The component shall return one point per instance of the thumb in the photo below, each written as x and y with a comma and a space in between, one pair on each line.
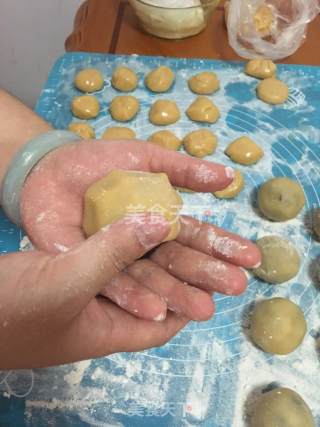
87, 268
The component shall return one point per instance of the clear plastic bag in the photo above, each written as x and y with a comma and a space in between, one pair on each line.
270, 28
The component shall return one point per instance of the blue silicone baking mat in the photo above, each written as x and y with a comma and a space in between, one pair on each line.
207, 374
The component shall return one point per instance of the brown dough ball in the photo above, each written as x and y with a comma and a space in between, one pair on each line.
280, 260
84, 130
200, 143
124, 108
278, 326
125, 194
160, 80
164, 112
280, 199
244, 151
272, 91
203, 110
85, 107
233, 189
124, 79
116, 132
261, 68
89, 80
204, 83
166, 139
281, 407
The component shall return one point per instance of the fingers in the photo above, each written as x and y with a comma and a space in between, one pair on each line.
81, 273
181, 298
186, 171
200, 269
136, 299
219, 243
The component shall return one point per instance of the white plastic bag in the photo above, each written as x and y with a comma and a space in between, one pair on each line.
270, 28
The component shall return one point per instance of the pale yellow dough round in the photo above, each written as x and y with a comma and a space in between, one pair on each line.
84, 130
124, 79
116, 132
200, 143
263, 19
85, 107
261, 68
127, 194
278, 326
273, 91
89, 80
164, 112
203, 110
233, 189
244, 151
166, 139
281, 407
204, 83
160, 79
124, 108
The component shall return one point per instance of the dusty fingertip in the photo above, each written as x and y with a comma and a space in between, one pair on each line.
160, 317
256, 265
230, 173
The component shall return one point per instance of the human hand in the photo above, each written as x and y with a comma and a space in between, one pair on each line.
52, 206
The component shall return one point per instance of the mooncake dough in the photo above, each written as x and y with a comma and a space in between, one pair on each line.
281, 199
166, 139
203, 110
244, 151
124, 79
263, 19
278, 326
233, 189
280, 260
124, 108
85, 107
204, 83
117, 132
84, 130
200, 143
89, 80
281, 407
160, 79
128, 193
273, 91
164, 112
316, 222
261, 68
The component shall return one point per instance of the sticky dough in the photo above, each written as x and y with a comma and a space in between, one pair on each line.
166, 139
200, 143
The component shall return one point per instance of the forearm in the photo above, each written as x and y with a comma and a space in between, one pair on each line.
18, 124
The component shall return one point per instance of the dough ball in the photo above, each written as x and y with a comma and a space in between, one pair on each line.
124, 79
84, 130
316, 222
281, 407
280, 260
244, 151
124, 108
116, 132
233, 189
166, 139
164, 112
281, 199
128, 193
89, 80
204, 83
203, 110
263, 19
200, 143
261, 68
278, 326
160, 79
273, 91
85, 107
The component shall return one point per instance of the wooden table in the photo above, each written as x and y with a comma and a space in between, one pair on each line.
110, 26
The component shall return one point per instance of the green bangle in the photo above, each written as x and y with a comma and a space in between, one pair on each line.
24, 161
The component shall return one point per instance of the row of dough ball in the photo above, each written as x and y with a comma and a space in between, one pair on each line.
162, 112
159, 80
